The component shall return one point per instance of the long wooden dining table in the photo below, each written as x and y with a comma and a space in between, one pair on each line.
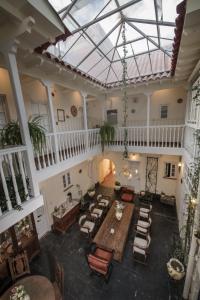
116, 240
37, 287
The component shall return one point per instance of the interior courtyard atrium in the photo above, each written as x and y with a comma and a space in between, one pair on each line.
99, 149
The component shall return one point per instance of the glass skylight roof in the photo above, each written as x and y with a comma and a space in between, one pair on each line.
96, 45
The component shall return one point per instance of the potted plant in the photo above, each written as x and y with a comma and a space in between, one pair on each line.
107, 133
175, 268
11, 135
91, 191
117, 186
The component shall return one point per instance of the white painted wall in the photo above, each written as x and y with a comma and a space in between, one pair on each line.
167, 186
34, 91
176, 112
53, 190
5, 88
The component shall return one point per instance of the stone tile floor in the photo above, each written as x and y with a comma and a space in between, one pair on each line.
129, 280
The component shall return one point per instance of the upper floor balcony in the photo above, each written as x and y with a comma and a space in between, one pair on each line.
65, 149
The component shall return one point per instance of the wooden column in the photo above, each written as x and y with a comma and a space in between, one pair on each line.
84, 99
11, 63
48, 86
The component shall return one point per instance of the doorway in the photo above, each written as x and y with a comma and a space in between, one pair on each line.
107, 173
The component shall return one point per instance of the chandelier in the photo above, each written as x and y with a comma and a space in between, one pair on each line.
125, 97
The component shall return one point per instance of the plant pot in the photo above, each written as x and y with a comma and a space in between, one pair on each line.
175, 269
117, 187
91, 193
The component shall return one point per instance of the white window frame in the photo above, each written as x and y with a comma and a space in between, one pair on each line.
161, 106
172, 171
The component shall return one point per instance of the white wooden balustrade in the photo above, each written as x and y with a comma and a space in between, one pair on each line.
75, 143
70, 144
152, 136
13, 178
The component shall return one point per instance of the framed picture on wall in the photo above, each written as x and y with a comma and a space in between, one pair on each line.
61, 115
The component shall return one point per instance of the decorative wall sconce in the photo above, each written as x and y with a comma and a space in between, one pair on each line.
193, 202
179, 165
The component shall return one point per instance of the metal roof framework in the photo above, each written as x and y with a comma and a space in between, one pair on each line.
95, 46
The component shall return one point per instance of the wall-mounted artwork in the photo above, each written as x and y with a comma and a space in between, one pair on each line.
74, 111
61, 115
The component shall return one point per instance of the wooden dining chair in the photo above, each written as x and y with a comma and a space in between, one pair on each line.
19, 265
58, 283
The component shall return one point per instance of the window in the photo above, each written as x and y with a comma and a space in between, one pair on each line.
40, 109
112, 116
170, 170
3, 112
164, 111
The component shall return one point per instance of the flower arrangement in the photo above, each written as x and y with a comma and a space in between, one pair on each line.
23, 227
19, 293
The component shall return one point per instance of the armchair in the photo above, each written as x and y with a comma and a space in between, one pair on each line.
100, 261
145, 224
95, 212
140, 248
127, 194
86, 225
103, 200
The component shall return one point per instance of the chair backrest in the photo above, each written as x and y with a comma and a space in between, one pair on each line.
81, 219
59, 277
18, 265
99, 197
91, 206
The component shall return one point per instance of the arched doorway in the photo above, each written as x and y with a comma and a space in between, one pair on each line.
107, 173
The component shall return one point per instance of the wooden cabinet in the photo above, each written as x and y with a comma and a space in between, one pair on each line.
21, 236
62, 222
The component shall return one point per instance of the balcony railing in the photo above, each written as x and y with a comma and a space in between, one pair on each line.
14, 182
69, 144
152, 136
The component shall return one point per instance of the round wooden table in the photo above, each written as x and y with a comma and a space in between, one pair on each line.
37, 287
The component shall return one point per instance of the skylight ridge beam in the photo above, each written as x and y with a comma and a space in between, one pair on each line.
101, 41
84, 31
135, 61
136, 55
151, 22
100, 60
114, 51
131, 41
149, 57
158, 28
106, 15
149, 39
102, 72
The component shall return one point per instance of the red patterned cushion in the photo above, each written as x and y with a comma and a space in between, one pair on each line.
127, 197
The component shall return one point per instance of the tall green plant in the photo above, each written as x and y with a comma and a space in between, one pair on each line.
107, 134
10, 134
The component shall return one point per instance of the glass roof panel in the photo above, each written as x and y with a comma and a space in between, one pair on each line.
58, 5
96, 44
142, 10
169, 9
140, 46
166, 32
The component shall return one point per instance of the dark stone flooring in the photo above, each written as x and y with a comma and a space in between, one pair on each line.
129, 280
